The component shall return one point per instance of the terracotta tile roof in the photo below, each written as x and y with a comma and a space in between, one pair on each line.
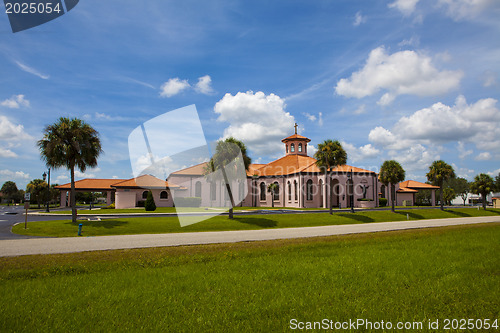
296, 137
406, 190
413, 184
340, 168
252, 168
286, 165
91, 184
195, 170
144, 181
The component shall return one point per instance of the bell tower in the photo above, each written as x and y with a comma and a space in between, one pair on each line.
296, 144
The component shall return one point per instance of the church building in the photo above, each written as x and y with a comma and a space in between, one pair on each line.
299, 182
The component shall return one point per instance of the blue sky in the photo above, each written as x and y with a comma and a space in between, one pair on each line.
411, 80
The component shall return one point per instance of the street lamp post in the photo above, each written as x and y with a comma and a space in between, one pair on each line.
48, 189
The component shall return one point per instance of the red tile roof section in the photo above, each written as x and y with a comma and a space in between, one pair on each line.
417, 185
144, 181
296, 137
91, 184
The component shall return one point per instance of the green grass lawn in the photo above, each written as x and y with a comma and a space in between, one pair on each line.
141, 210
168, 224
415, 275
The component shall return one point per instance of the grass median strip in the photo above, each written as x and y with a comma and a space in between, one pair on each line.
415, 275
166, 224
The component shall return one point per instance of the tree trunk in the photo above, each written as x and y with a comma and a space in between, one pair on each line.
330, 199
484, 200
272, 198
72, 195
229, 192
441, 196
393, 194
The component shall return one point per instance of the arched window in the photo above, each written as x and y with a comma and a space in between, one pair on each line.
213, 191
197, 189
300, 147
164, 195
262, 191
292, 147
295, 190
309, 189
276, 192
145, 195
289, 191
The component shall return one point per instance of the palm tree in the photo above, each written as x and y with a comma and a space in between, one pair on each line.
226, 152
330, 154
272, 188
391, 172
36, 188
70, 143
439, 172
483, 184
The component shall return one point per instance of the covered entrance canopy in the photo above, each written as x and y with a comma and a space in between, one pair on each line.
89, 185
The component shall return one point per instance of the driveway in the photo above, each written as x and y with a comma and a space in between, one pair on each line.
16, 247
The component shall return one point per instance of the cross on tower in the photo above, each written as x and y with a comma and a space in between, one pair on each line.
295, 128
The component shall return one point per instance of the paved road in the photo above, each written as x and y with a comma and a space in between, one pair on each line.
76, 244
10, 215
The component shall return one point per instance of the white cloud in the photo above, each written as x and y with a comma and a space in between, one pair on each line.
404, 72
309, 116
204, 85
484, 156
407, 7
11, 132
14, 174
477, 123
15, 102
87, 174
7, 153
413, 41
173, 87
462, 152
311, 149
31, 70
465, 9
489, 78
415, 140
359, 19
320, 119
356, 154
257, 119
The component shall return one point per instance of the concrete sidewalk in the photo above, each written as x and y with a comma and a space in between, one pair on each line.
19, 247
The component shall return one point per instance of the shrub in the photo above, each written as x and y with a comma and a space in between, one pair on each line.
364, 199
112, 206
188, 202
382, 202
150, 203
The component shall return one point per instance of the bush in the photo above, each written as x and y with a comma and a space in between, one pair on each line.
112, 206
382, 202
150, 203
364, 199
188, 202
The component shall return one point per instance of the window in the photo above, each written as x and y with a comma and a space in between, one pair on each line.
262, 191
309, 189
295, 190
197, 189
300, 147
213, 191
276, 192
145, 195
287, 149
292, 147
164, 195
289, 191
